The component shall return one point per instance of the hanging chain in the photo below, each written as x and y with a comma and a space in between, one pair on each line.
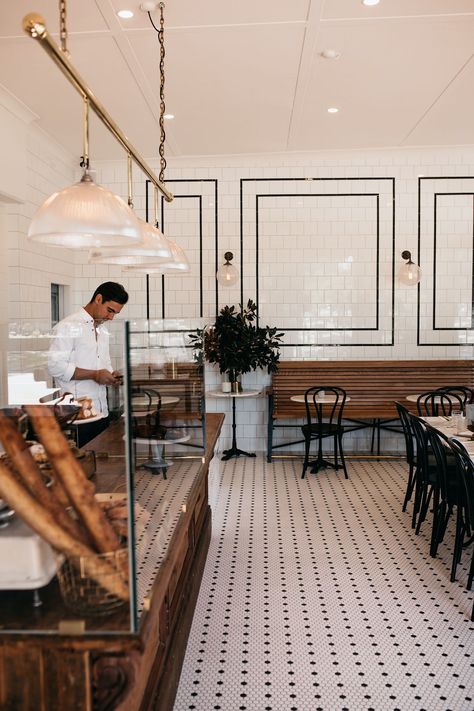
62, 26
161, 40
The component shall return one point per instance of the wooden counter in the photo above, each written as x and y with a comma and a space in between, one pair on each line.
119, 670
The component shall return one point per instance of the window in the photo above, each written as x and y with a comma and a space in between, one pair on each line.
57, 303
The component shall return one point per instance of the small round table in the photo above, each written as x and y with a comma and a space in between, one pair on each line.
140, 408
234, 451
323, 400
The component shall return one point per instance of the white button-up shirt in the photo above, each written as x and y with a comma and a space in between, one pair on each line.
77, 343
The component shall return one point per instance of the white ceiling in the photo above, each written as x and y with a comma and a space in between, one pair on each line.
248, 76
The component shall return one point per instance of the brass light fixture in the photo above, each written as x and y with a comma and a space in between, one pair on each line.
227, 274
85, 215
409, 273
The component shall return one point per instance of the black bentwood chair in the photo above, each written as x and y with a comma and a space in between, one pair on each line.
439, 402
465, 522
324, 412
447, 492
462, 391
409, 436
426, 474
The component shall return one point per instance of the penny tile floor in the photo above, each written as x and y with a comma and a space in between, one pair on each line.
317, 595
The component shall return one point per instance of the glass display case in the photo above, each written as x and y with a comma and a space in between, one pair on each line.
86, 522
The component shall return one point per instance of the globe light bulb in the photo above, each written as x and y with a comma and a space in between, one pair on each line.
227, 274
409, 273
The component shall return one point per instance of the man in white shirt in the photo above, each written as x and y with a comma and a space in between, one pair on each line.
79, 357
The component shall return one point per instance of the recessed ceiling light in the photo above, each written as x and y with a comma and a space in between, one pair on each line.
369, 3
168, 117
125, 14
333, 110
330, 54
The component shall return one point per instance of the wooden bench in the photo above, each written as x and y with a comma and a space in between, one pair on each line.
373, 387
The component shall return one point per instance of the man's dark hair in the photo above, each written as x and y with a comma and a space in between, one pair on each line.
111, 291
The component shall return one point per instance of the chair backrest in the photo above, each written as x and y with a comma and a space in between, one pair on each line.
325, 402
441, 448
437, 402
408, 433
465, 467
150, 400
147, 397
418, 427
462, 391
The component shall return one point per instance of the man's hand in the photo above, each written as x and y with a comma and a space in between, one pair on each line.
105, 377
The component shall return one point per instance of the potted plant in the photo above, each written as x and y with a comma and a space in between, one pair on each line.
237, 345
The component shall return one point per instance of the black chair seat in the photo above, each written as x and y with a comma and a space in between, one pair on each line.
322, 430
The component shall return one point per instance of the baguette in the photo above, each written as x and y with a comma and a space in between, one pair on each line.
30, 474
35, 516
73, 479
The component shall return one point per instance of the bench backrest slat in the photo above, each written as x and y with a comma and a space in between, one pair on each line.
372, 386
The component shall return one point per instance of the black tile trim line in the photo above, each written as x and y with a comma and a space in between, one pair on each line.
243, 181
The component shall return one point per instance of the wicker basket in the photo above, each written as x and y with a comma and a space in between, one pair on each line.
83, 593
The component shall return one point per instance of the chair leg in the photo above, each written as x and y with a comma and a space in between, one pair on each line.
341, 452
425, 504
418, 497
440, 521
410, 486
307, 443
458, 541
471, 573
336, 465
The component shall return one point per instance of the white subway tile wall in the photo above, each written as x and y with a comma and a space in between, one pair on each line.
309, 255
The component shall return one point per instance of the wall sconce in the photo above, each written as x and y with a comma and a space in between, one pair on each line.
409, 273
227, 274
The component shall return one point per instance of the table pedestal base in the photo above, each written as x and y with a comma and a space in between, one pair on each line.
158, 463
318, 464
235, 452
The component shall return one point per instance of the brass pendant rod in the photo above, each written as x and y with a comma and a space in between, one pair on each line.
85, 157
155, 205
129, 175
35, 27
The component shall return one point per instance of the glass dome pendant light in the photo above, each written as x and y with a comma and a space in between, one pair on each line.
409, 273
84, 215
227, 274
153, 244
178, 262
